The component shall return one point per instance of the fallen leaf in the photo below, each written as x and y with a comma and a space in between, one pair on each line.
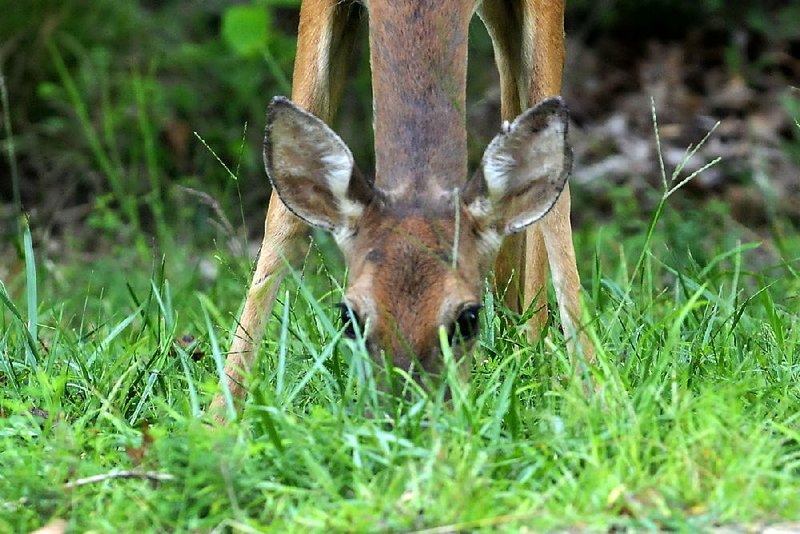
136, 454
188, 343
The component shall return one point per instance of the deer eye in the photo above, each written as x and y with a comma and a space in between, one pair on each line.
467, 323
350, 320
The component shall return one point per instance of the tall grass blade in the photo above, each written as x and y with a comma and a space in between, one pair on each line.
146, 393
7, 363
166, 312
194, 402
280, 373
218, 360
31, 293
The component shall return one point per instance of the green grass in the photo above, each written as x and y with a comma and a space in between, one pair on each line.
694, 422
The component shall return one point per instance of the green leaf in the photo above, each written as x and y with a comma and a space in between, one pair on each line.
244, 29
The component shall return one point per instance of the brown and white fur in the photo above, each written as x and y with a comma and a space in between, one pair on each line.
421, 238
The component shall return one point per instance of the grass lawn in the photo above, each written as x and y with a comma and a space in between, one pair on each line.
112, 336
695, 421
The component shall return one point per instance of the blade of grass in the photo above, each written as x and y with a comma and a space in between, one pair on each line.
166, 313
458, 389
280, 373
9, 304
218, 360
121, 326
31, 293
193, 399
9, 365
146, 393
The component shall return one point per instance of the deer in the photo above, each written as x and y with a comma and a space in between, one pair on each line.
420, 239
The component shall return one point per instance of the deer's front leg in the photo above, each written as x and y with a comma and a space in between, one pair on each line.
325, 40
521, 267
543, 62
282, 233
528, 40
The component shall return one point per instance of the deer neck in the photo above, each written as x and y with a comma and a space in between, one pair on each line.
418, 51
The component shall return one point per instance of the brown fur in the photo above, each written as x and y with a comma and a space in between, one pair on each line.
418, 51
418, 55
405, 283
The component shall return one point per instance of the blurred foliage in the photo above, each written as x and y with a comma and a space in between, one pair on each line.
184, 68
244, 29
632, 19
106, 97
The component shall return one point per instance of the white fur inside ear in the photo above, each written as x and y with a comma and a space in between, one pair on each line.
497, 165
338, 170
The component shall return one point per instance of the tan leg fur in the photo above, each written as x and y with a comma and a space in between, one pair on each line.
326, 37
529, 50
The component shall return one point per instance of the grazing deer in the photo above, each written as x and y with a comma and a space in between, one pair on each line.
419, 240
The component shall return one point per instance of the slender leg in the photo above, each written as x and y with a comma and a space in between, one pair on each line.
521, 265
528, 39
543, 61
557, 231
505, 32
282, 236
325, 39
535, 279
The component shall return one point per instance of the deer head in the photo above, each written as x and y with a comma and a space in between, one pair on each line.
417, 263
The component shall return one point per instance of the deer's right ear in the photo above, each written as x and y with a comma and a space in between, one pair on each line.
524, 170
312, 170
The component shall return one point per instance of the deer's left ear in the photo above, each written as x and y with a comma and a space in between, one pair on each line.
524, 170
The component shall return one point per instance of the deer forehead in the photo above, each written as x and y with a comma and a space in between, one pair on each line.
413, 270
414, 245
